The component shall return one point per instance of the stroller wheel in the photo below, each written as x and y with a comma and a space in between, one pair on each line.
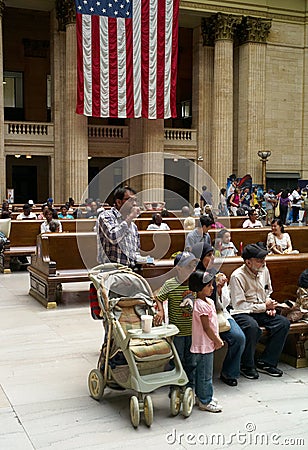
148, 410
134, 411
96, 384
175, 401
188, 402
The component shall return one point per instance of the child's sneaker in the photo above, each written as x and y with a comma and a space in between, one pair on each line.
214, 400
211, 407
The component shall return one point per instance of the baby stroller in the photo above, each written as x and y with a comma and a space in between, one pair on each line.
130, 358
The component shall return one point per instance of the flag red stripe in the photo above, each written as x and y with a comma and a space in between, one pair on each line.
129, 70
95, 66
80, 78
145, 31
160, 81
174, 61
113, 68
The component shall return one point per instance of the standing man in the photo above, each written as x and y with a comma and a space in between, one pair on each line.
250, 290
118, 237
270, 203
206, 197
296, 200
200, 233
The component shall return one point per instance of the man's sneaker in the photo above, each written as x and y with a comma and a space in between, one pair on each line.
211, 407
270, 370
249, 372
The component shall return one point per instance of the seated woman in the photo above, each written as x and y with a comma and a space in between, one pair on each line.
48, 219
157, 223
278, 241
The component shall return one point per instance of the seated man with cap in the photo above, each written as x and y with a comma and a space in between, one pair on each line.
250, 290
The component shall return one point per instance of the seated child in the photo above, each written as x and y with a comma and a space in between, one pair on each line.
227, 246
180, 304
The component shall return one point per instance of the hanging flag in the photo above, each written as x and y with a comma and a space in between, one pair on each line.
127, 58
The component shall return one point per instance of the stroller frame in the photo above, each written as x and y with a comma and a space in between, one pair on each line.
145, 383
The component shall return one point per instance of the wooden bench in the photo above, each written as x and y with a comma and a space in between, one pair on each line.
176, 223
67, 257
22, 240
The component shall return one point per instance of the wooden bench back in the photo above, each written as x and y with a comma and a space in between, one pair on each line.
70, 251
24, 232
176, 223
162, 244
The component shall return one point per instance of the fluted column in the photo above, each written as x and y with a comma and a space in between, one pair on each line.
2, 153
153, 160
222, 151
202, 93
76, 126
253, 33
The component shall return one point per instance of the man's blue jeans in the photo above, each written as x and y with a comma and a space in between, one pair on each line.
235, 339
182, 345
204, 375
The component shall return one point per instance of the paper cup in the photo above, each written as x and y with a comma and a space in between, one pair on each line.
146, 323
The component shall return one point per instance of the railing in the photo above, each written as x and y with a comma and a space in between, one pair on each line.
180, 136
107, 132
34, 131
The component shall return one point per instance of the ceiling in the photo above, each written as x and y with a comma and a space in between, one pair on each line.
39, 5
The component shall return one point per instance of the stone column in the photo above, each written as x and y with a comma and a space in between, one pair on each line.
2, 152
202, 96
58, 38
153, 160
222, 151
76, 126
253, 33
304, 151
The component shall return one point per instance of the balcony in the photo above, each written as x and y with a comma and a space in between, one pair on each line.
36, 134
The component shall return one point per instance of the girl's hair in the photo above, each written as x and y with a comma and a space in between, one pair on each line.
199, 279
197, 205
279, 223
222, 233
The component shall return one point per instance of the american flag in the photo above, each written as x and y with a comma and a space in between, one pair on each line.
127, 58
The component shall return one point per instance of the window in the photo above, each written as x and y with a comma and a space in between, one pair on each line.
13, 96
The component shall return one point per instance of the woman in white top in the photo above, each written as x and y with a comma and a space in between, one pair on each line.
278, 241
157, 223
48, 218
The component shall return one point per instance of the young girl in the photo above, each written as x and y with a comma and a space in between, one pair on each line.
205, 339
227, 246
197, 210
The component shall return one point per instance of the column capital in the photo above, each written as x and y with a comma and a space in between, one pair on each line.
254, 29
224, 26
2, 6
207, 32
66, 13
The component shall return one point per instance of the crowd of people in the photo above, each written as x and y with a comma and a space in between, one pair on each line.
208, 312
198, 297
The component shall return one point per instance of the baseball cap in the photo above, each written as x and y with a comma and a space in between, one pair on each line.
254, 251
30, 202
184, 258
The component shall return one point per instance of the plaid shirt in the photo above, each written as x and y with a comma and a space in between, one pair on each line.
117, 241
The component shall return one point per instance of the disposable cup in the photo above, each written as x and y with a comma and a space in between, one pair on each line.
146, 323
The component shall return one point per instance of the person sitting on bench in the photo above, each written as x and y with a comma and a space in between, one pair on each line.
250, 290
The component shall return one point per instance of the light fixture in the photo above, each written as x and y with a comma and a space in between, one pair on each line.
89, 157
28, 156
17, 156
264, 155
175, 159
200, 158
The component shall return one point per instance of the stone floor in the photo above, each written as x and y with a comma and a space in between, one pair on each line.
45, 358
